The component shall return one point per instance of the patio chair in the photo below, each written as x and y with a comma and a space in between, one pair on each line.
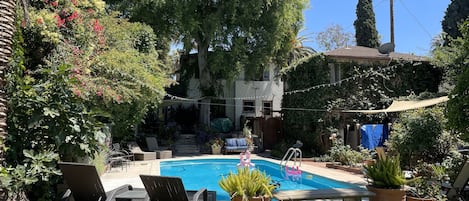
84, 183
162, 188
139, 154
117, 150
460, 187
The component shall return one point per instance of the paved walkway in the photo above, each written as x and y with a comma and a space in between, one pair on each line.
119, 176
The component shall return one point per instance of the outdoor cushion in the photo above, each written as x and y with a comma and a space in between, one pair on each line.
231, 142
241, 142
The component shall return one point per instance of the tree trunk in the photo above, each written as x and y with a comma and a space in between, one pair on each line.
7, 28
204, 79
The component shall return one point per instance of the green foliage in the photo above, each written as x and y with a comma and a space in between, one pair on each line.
371, 88
454, 58
427, 184
37, 170
385, 172
456, 13
241, 35
365, 25
71, 77
247, 184
420, 135
346, 155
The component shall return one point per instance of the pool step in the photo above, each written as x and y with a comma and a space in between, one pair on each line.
186, 144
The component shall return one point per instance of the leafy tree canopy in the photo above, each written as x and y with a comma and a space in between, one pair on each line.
334, 37
456, 13
241, 34
455, 58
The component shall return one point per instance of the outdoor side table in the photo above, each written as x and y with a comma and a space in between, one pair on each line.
163, 154
133, 195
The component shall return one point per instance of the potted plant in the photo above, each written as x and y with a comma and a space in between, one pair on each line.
248, 185
385, 178
427, 183
216, 145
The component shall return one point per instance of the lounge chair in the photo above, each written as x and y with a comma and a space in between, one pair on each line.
152, 143
84, 183
139, 154
162, 188
460, 187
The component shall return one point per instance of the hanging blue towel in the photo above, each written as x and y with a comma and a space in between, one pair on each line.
373, 135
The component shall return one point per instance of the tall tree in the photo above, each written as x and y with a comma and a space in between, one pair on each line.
334, 37
456, 13
453, 58
229, 36
365, 25
7, 28
240, 35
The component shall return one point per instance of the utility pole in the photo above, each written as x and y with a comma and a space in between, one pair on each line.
391, 9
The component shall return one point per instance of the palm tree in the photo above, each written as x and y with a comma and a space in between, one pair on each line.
7, 28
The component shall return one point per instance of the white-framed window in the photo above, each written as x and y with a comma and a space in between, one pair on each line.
249, 106
267, 108
335, 72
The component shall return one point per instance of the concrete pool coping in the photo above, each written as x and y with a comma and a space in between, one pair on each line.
130, 173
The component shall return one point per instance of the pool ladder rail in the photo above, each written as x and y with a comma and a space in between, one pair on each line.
292, 153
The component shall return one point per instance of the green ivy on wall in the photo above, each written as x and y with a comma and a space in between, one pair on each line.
310, 114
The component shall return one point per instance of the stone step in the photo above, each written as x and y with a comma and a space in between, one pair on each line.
187, 148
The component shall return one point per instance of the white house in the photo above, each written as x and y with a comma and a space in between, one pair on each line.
240, 98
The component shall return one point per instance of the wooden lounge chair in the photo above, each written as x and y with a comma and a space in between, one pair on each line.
460, 187
84, 183
162, 188
139, 154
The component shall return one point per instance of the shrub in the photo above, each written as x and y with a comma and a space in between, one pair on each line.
420, 135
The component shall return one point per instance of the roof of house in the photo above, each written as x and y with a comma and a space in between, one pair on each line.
360, 52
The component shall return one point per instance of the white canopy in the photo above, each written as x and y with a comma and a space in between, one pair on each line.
398, 106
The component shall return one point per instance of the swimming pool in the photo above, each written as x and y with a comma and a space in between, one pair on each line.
205, 173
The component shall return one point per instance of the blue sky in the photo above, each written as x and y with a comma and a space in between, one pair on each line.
416, 22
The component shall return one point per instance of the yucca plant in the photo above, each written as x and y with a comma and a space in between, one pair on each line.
385, 172
247, 184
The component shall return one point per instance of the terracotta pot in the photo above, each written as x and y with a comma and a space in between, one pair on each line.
239, 198
410, 198
383, 194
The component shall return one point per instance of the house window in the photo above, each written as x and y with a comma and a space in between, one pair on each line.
217, 109
266, 76
335, 72
249, 106
267, 108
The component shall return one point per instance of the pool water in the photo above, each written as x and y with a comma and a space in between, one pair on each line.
205, 173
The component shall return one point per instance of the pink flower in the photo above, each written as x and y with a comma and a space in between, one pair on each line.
97, 27
54, 3
77, 92
73, 16
99, 93
40, 21
74, 2
60, 21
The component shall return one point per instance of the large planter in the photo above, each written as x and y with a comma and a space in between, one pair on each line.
383, 194
239, 198
410, 198
216, 150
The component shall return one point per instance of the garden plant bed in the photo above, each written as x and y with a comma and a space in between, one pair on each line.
355, 170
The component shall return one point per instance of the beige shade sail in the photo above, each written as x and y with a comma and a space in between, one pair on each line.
398, 106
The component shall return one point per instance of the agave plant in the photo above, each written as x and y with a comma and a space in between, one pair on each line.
247, 184
385, 172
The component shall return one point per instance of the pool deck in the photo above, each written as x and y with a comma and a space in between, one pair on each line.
119, 176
